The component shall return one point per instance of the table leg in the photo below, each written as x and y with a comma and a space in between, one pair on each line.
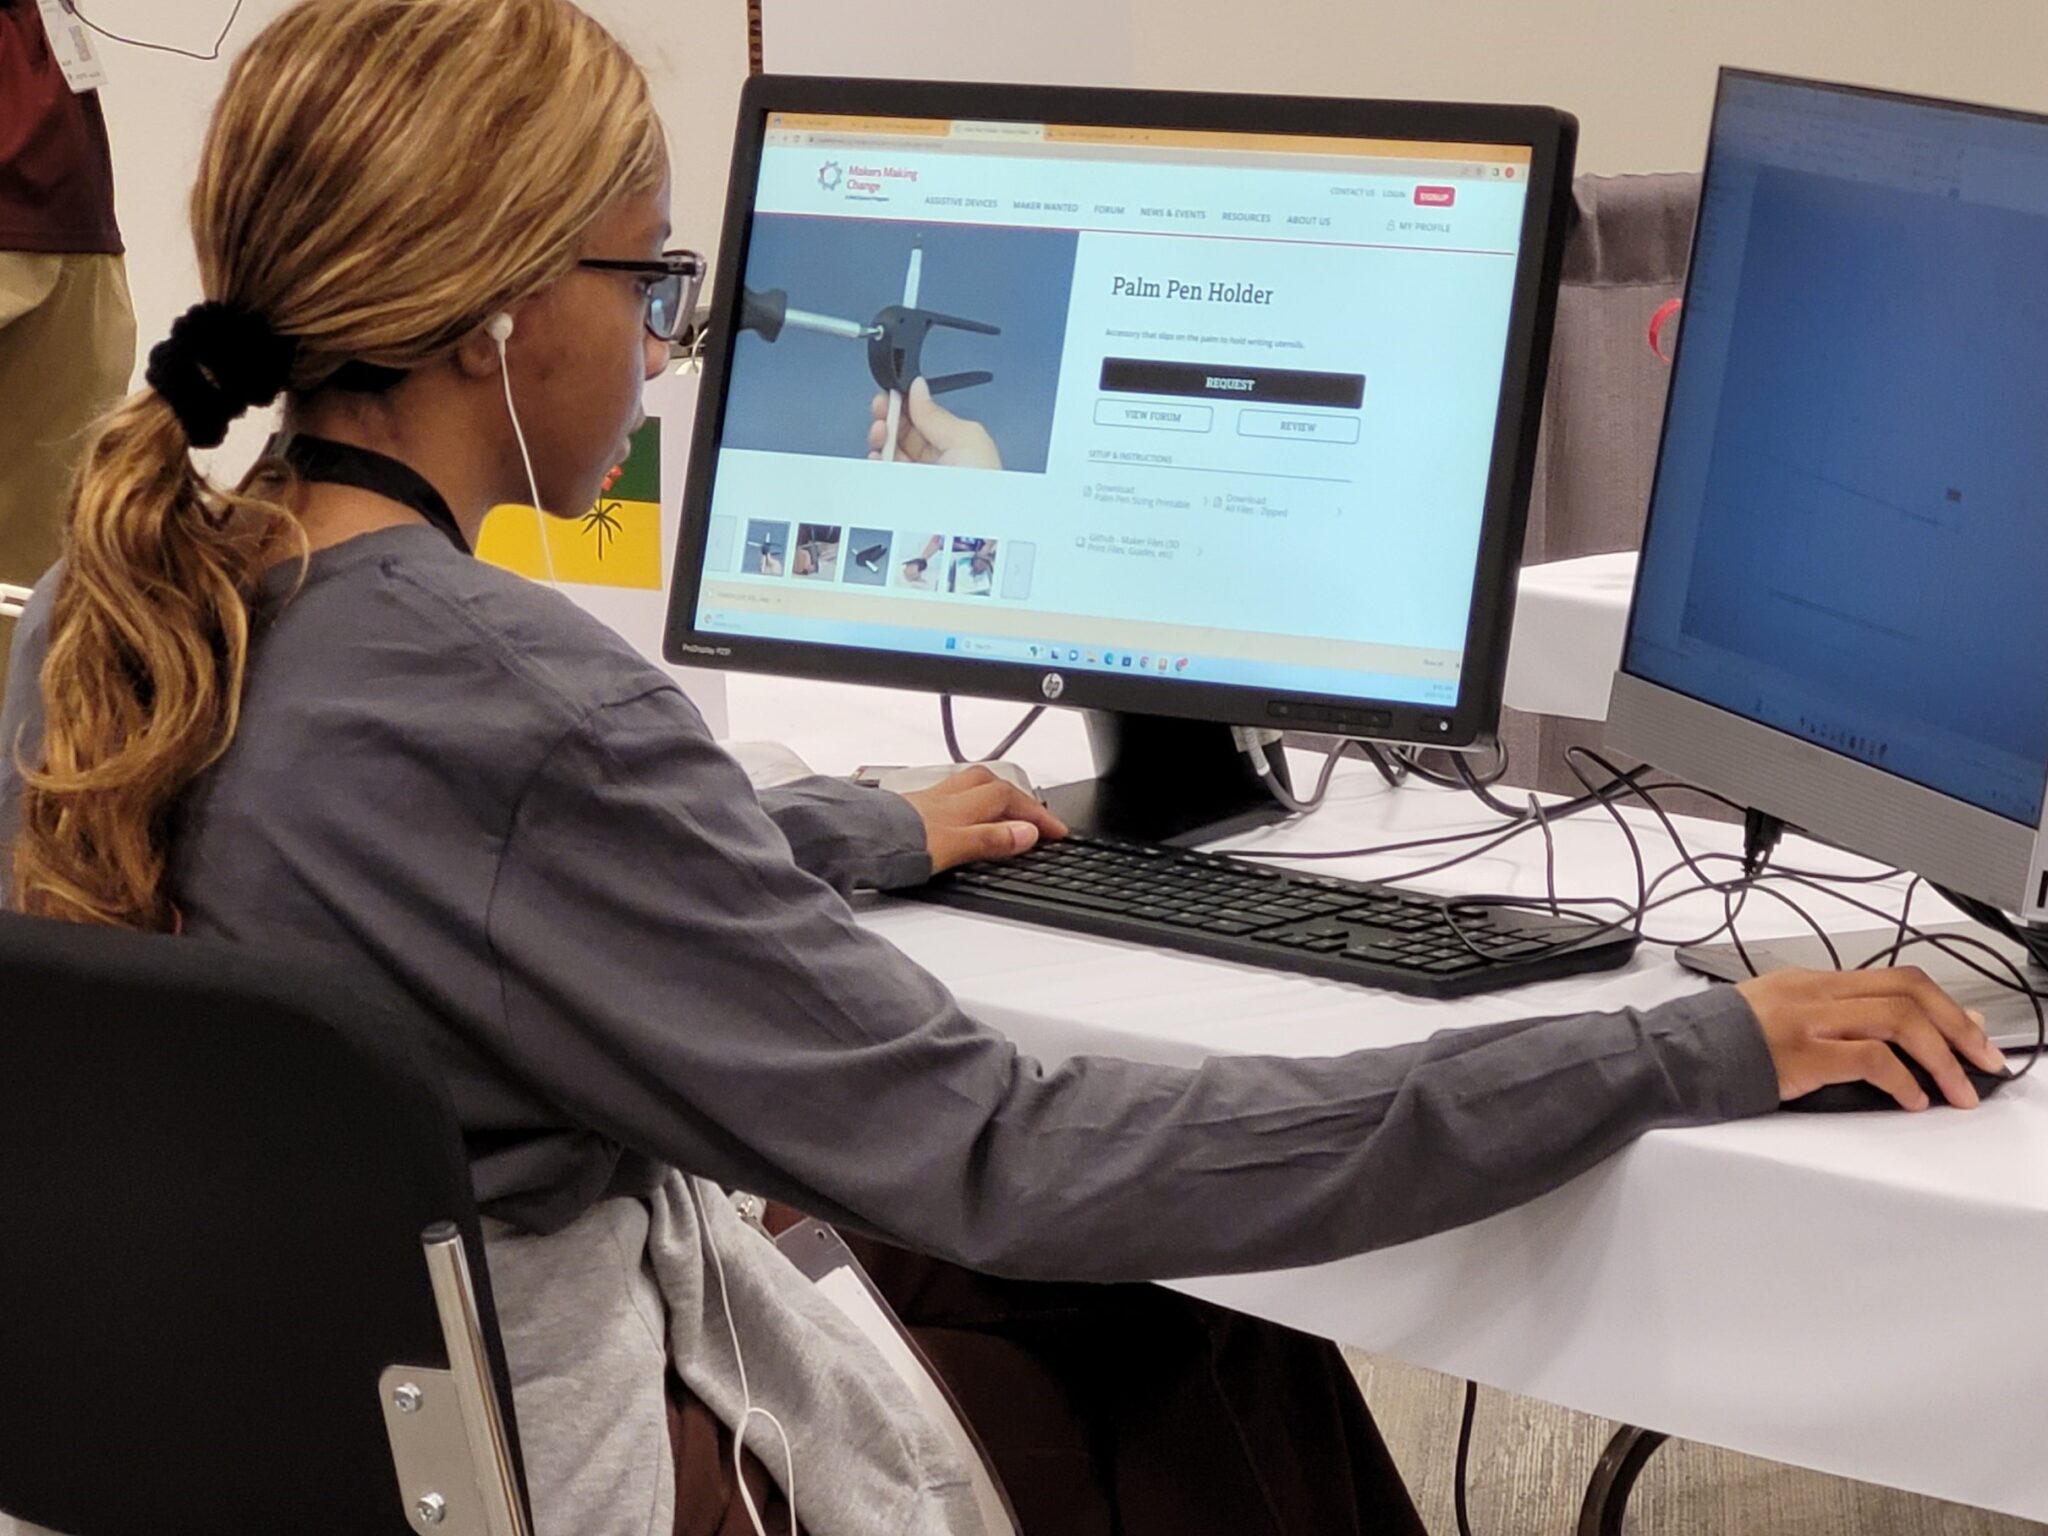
1614, 1479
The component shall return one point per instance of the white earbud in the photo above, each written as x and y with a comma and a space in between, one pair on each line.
499, 329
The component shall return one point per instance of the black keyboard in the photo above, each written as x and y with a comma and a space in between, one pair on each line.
1209, 904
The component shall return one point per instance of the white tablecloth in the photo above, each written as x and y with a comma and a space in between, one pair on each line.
1854, 1294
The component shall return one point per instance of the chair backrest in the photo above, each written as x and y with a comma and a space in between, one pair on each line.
1603, 408
216, 1168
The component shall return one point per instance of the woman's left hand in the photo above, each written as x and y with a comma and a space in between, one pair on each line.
976, 815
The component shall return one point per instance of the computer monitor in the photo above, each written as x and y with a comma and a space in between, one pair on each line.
1206, 410
1838, 616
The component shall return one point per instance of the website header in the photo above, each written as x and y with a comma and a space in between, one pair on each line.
1360, 203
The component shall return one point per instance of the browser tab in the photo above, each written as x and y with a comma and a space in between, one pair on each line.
1024, 133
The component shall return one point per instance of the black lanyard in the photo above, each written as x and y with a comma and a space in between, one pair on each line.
325, 461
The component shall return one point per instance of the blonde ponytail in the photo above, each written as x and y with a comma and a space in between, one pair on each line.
149, 641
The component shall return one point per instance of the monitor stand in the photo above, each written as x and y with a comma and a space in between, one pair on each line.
2008, 1016
1162, 780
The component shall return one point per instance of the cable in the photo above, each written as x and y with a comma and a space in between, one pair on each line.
1257, 745
1465, 1458
1735, 892
748, 1410
1635, 849
1390, 766
136, 42
499, 329
2035, 944
1461, 768
953, 739
1550, 856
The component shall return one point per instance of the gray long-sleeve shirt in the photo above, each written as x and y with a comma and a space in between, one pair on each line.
636, 962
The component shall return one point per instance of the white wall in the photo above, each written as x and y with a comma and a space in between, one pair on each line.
1638, 73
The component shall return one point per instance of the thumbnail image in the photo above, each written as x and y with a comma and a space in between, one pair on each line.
867, 557
973, 568
767, 551
990, 314
816, 556
919, 561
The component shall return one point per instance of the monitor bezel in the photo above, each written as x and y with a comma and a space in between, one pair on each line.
1551, 137
1830, 794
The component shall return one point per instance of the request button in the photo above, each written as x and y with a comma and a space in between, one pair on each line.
1158, 416
1302, 428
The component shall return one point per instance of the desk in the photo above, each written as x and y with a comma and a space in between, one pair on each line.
1853, 1294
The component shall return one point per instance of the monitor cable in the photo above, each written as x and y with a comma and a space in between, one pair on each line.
1412, 760
1464, 1463
1001, 748
1972, 953
1259, 747
1736, 891
136, 42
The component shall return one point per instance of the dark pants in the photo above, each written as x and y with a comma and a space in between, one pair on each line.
1109, 1410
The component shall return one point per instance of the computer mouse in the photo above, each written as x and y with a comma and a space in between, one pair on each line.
1838, 1097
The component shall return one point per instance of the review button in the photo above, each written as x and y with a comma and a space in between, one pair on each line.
1301, 428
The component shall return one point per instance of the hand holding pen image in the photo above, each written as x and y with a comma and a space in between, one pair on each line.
928, 433
907, 422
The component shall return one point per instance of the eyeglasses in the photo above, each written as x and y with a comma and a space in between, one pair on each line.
673, 280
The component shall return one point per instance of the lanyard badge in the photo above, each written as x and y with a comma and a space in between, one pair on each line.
72, 46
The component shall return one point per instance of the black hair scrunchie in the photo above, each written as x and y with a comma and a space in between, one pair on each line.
219, 360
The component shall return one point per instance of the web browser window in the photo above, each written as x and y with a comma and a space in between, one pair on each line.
1215, 406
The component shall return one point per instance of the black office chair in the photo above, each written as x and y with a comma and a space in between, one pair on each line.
242, 1284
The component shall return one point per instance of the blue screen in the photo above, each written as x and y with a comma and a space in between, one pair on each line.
1849, 530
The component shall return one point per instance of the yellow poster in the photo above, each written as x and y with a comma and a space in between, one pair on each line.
617, 543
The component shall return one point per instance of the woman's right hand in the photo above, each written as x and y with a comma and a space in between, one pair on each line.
1835, 1027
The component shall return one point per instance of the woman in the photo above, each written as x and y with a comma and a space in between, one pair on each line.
299, 711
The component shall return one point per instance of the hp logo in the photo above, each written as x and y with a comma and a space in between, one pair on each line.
1052, 685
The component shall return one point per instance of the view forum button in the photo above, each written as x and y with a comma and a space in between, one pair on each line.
1153, 414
